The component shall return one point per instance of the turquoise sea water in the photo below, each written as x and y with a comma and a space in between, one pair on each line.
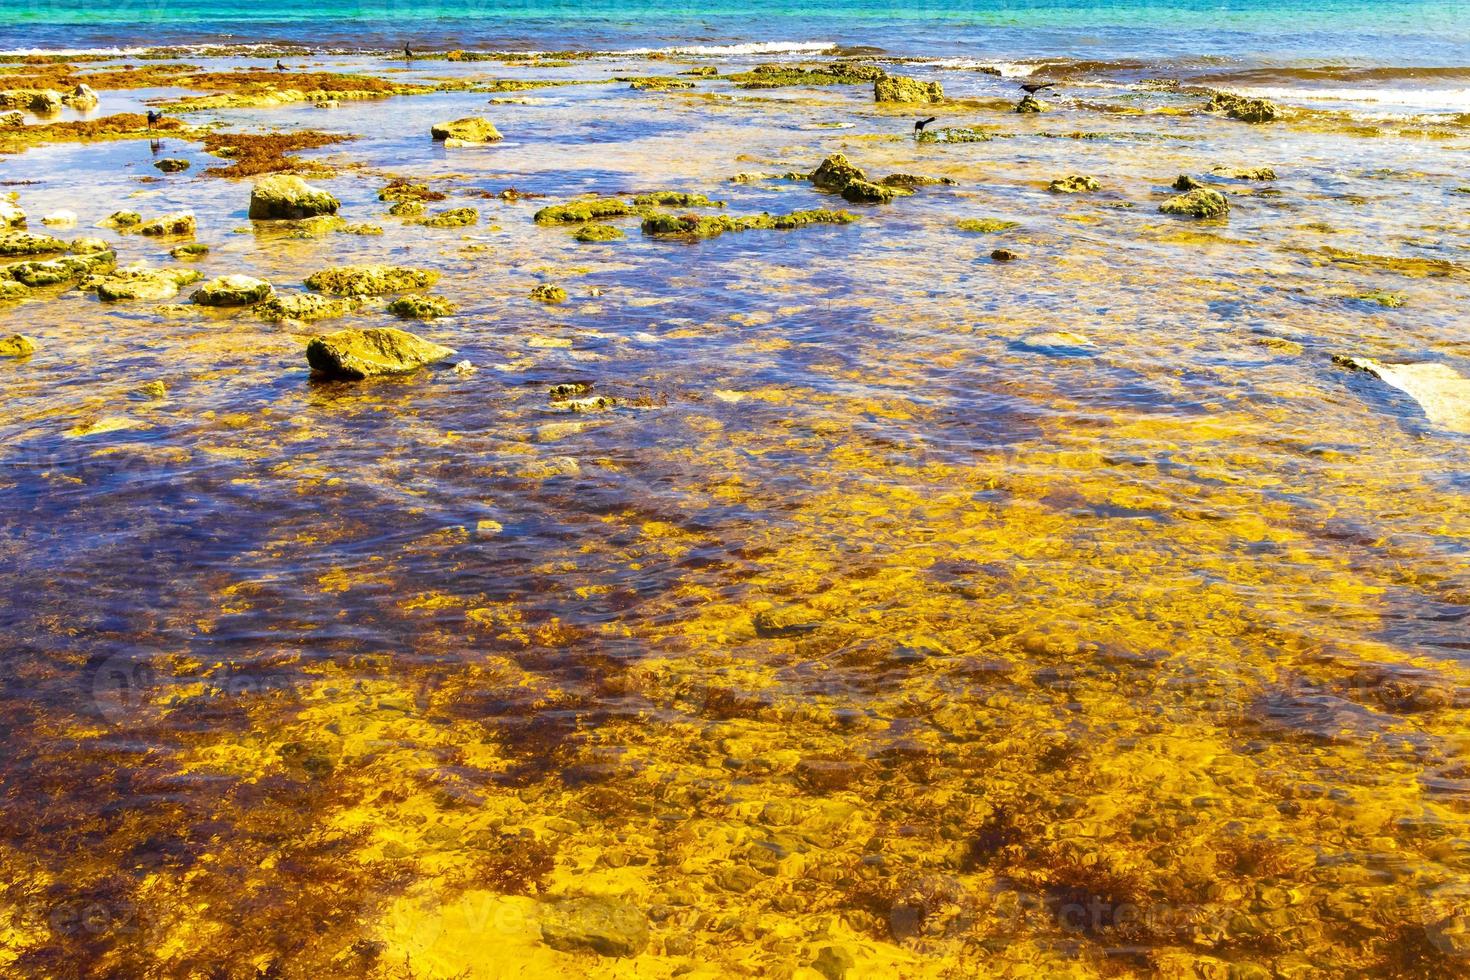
1385, 33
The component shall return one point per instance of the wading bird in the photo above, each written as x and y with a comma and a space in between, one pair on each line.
154, 116
919, 126
1032, 88
408, 52
279, 66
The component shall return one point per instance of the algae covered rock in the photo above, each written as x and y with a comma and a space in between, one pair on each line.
1198, 203
1073, 184
120, 220
11, 216
898, 88
171, 165
598, 233
985, 226
453, 218
676, 199
285, 197
1030, 104
141, 283
1243, 108
608, 926
12, 120
89, 246
54, 272
548, 293
17, 345
659, 83
82, 98
370, 280
177, 223
1244, 173
590, 209
60, 219
233, 291
358, 354
11, 291
25, 243
193, 250
835, 173
418, 307
865, 192
407, 209
469, 130
1184, 182
306, 307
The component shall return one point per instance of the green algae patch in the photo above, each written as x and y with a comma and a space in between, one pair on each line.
354, 355
676, 199
657, 83
453, 218
407, 209
190, 250
370, 280
254, 89
986, 226
28, 243
957, 134
420, 307
693, 226
12, 291
598, 233
1383, 298
404, 190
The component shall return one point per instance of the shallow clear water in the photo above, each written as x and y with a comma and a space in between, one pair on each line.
1133, 628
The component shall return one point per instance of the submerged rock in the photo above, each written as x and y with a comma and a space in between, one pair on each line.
233, 291
548, 293
370, 280
898, 88
172, 165
698, 226
1440, 390
1198, 203
193, 250
1243, 108
659, 83
89, 246
60, 219
608, 926
284, 197
26, 243
357, 354
177, 223
786, 622
598, 233
418, 307
1244, 173
466, 131
913, 180
17, 345
1073, 184
986, 226
1031, 104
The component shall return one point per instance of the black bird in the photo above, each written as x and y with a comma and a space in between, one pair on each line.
919, 126
279, 66
408, 52
1032, 88
154, 116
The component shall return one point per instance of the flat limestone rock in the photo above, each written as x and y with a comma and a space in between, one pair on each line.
233, 291
358, 354
898, 88
1440, 390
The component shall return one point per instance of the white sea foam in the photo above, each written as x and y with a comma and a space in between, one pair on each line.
1401, 98
762, 47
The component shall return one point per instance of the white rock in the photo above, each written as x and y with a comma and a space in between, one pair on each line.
1441, 391
60, 219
